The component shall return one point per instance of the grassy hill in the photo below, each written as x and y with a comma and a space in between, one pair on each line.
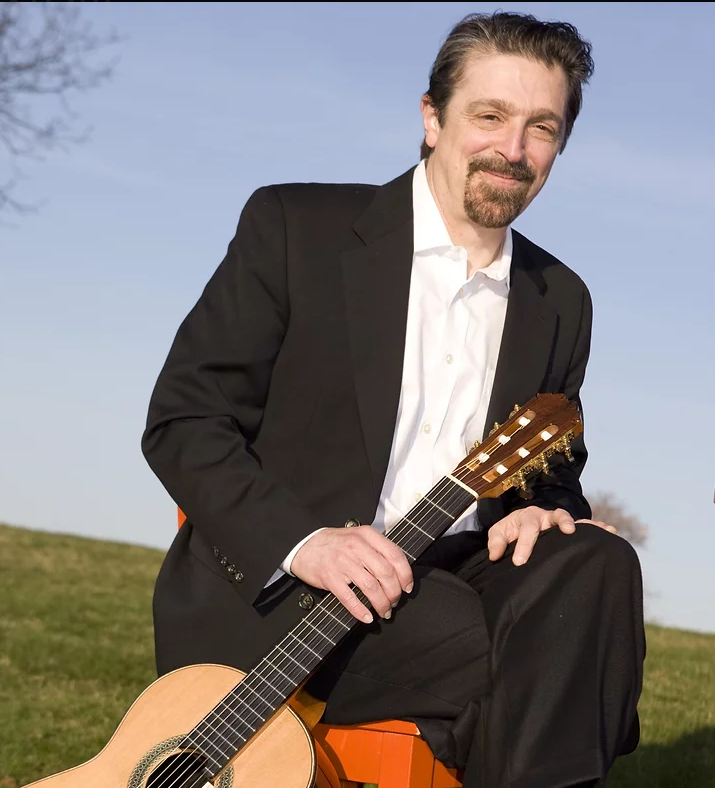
76, 649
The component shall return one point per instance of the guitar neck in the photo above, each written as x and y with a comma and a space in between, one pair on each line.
232, 723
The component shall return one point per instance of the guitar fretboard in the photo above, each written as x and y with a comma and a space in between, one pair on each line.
235, 720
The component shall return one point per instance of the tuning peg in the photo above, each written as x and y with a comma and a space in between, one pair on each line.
567, 451
545, 465
476, 444
520, 478
495, 427
515, 411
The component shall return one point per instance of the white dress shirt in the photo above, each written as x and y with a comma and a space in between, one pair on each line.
454, 330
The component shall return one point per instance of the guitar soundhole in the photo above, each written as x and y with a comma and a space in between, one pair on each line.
183, 770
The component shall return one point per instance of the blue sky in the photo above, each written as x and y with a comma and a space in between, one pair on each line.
210, 101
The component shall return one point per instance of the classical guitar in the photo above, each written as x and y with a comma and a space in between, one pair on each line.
214, 725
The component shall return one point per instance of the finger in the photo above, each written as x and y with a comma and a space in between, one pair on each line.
394, 555
339, 585
529, 532
386, 575
370, 586
497, 543
606, 527
563, 520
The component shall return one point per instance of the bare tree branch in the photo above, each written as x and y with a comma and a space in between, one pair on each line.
608, 509
46, 55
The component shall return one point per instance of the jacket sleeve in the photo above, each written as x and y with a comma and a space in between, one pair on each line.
561, 488
208, 402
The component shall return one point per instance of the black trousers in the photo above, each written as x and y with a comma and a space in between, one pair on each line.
526, 677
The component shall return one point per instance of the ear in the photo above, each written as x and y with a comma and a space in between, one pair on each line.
429, 118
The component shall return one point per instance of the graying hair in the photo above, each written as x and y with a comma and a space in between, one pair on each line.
507, 33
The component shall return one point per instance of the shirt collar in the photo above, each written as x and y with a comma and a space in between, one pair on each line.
431, 234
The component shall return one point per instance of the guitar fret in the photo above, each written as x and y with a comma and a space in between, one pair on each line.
436, 505
216, 731
204, 751
305, 621
294, 683
299, 664
335, 617
245, 685
411, 522
305, 645
263, 678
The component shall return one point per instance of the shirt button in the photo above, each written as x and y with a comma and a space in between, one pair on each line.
449, 358
427, 428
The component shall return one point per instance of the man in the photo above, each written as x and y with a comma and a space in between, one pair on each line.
353, 344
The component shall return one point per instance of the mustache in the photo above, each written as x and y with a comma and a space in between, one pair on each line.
520, 170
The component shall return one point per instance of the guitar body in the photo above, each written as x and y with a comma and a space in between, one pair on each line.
143, 753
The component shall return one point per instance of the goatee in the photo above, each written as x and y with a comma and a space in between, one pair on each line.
490, 205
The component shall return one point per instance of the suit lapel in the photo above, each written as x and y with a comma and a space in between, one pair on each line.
376, 279
527, 340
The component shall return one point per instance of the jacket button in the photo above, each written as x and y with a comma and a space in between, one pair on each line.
231, 569
352, 523
223, 560
238, 576
306, 601
217, 554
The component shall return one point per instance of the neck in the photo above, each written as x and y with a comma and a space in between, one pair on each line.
483, 244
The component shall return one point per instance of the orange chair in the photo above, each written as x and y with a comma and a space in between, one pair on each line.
387, 754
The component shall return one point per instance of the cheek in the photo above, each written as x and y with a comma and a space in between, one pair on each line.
542, 160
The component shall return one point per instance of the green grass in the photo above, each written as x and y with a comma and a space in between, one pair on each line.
76, 649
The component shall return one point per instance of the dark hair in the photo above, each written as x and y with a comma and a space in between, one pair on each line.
506, 33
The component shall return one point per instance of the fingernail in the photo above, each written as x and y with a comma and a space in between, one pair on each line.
410, 587
519, 560
388, 614
394, 604
367, 618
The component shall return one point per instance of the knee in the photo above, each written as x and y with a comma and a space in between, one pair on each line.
593, 545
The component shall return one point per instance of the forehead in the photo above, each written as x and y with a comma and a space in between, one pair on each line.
520, 81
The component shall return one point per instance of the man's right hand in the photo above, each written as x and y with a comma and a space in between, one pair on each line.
336, 557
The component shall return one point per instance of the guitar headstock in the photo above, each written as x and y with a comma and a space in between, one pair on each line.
533, 433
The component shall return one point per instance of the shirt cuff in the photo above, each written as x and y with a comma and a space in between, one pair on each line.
285, 566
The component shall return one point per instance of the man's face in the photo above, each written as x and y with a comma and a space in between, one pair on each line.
502, 130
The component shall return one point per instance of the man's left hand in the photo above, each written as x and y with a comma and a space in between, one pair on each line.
523, 526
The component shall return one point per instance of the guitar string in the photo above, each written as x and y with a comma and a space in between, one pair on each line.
407, 527
402, 528
282, 692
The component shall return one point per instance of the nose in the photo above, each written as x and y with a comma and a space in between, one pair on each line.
512, 143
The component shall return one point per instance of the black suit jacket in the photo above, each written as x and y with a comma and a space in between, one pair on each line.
275, 410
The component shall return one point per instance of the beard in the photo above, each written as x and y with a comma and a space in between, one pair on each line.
490, 205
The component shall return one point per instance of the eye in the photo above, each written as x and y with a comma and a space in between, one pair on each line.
490, 117
544, 129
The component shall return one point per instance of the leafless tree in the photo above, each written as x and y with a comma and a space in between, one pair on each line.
608, 509
47, 54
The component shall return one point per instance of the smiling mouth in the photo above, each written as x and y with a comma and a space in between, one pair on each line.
501, 177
